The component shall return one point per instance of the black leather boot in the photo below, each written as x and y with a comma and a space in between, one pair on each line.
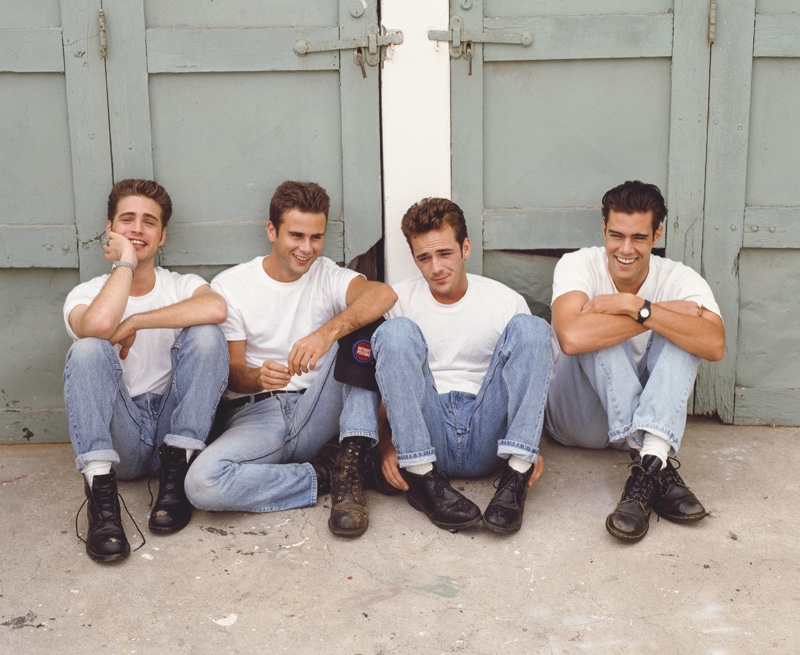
631, 519
172, 510
674, 500
349, 513
444, 506
505, 510
324, 464
106, 540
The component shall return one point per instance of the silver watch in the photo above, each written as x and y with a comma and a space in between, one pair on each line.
119, 263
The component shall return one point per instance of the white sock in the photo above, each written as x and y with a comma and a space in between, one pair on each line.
189, 453
655, 445
420, 469
518, 464
95, 468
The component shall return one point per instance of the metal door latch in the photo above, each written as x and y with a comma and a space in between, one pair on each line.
458, 38
370, 45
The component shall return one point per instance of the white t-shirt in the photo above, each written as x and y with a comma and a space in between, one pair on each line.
148, 366
270, 315
587, 270
461, 337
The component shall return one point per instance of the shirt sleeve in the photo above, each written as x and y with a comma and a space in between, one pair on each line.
572, 273
83, 294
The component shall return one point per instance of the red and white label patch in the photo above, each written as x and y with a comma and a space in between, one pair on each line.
362, 352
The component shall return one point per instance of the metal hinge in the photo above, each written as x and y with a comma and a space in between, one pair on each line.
712, 21
460, 41
103, 46
367, 48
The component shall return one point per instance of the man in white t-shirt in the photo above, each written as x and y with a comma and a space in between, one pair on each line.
463, 370
286, 312
632, 328
146, 371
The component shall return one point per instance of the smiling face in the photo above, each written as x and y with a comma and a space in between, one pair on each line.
296, 244
442, 263
629, 238
138, 219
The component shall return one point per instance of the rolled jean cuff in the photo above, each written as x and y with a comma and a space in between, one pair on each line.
416, 459
507, 448
621, 434
187, 443
96, 456
368, 434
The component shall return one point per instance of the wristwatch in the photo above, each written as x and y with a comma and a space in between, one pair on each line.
119, 263
644, 312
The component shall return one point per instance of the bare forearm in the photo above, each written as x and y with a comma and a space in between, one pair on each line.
103, 316
244, 379
372, 300
198, 310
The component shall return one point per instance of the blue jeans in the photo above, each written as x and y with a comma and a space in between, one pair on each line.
603, 398
467, 435
106, 424
260, 463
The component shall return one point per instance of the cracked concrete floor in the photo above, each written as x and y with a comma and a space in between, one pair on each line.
282, 583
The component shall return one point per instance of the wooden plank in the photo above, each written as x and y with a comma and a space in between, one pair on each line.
241, 49
583, 37
38, 246
195, 244
542, 228
26, 425
772, 227
777, 35
31, 51
767, 406
361, 155
466, 101
726, 180
88, 124
128, 93
685, 192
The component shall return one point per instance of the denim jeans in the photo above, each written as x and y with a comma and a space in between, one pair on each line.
603, 398
260, 463
106, 424
467, 435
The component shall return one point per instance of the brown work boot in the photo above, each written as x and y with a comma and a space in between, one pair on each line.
349, 513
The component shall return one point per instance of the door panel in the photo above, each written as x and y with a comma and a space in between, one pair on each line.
592, 94
751, 249
54, 155
219, 108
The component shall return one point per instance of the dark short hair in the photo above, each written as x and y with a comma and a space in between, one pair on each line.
433, 214
145, 188
636, 197
308, 197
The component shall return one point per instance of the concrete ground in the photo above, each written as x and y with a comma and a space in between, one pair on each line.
282, 583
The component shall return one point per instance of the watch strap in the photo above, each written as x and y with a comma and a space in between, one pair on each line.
119, 263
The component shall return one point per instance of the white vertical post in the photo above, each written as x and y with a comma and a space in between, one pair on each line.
415, 113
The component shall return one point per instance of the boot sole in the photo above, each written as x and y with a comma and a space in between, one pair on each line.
681, 518
499, 529
108, 558
440, 524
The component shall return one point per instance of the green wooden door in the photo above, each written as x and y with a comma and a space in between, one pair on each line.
751, 247
593, 93
212, 100
55, 168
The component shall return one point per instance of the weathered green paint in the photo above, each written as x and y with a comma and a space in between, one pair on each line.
219, 140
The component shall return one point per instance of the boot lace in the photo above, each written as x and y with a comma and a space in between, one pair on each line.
351, 481
670, 474
106, 506
642, 486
